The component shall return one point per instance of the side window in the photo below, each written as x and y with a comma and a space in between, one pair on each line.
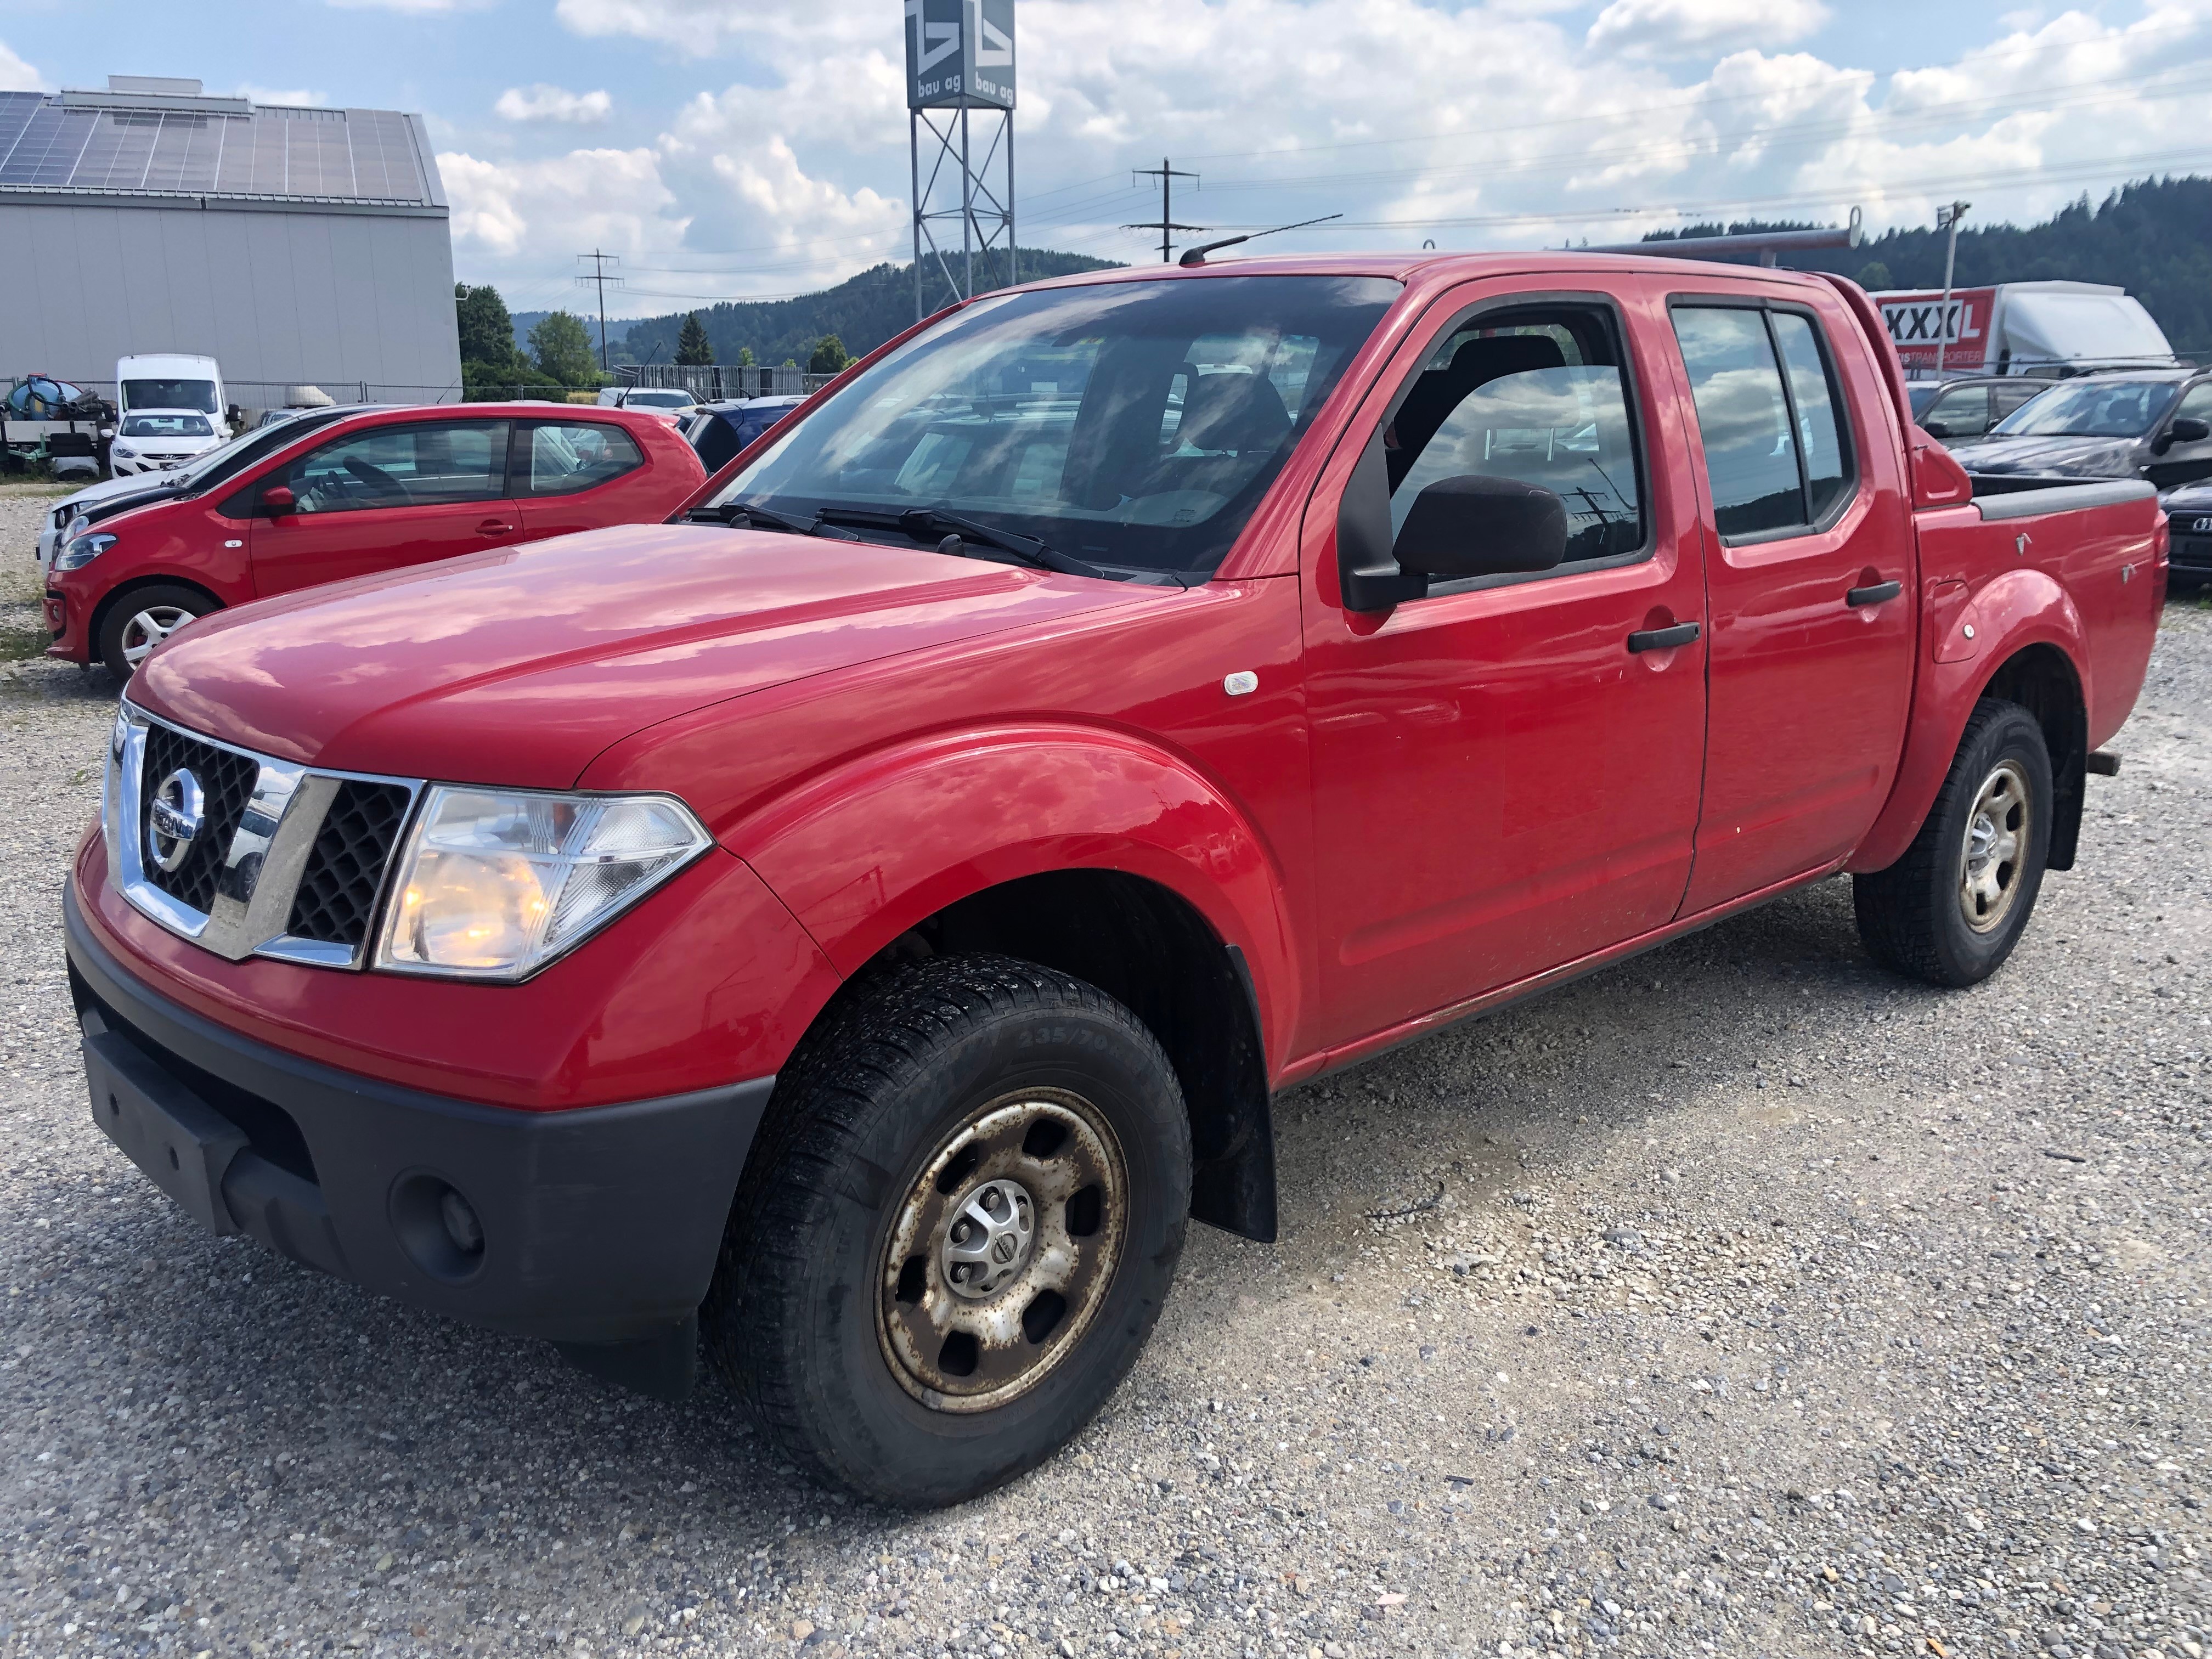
2006, 398
2195, 403
417, 465
1963, 413
1777, 454
1538, 396
567, 457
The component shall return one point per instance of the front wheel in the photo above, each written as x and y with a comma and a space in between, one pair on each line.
1952, 908
141, 619
956, 1230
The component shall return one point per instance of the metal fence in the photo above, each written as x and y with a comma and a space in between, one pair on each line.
716, 382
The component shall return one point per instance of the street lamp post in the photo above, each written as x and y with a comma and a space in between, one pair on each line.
1946, 218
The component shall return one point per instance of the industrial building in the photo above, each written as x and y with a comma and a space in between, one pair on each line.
295, 245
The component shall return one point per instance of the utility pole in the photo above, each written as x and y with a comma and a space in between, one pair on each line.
1946, 218
597, 277
1167, 173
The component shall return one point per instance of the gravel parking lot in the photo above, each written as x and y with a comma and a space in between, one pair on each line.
1742, 1300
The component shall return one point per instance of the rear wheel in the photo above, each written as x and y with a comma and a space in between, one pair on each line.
1952, 908
141, 619
957, 1230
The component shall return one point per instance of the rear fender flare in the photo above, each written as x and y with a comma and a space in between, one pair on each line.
865, 852
2016, 611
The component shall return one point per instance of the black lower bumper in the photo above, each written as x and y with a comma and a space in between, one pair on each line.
2190, 555
596, 1228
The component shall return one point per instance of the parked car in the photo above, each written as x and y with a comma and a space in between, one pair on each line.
1967, 407
162, 441
2189, 517
2142, 424
719, 431
97, 501
670, 403
871, 915
367, 492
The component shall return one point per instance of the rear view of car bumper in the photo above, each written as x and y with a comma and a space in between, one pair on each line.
590, 1227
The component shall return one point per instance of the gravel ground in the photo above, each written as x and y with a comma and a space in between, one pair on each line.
1740, 1301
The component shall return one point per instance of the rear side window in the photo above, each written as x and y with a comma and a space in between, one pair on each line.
417, 465
1777, 454
571, 456
1963, 413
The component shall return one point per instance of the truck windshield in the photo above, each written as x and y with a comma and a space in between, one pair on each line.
167, 426
170, 394
2090, 409
1126, 424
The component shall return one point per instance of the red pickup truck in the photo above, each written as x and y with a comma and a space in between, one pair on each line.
853, 926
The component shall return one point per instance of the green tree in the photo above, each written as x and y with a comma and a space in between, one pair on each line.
829, 356
561, 347
1874, 276
692, 346
745, 357
487, 328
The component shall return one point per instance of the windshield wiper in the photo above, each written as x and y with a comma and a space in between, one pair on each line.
762, 517
919, 522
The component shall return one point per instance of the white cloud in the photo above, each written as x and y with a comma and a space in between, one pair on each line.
545, 211
544, 103
16, 76
1404, 115
1683, 28
413, 8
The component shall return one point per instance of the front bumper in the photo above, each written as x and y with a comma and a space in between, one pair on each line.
601, 1225
2191, 556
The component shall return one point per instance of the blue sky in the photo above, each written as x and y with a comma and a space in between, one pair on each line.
735, 148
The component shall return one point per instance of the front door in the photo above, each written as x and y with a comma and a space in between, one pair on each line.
379, 498
1809, 581
1506, 770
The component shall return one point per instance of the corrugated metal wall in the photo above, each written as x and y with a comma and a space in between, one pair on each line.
341, 299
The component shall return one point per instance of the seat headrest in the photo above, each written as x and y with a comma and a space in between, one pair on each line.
1243, 412
1480, 362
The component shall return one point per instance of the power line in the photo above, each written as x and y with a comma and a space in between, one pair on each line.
1167, 173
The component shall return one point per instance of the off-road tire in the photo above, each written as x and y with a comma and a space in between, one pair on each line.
794, 1317
159, 599
1911, 915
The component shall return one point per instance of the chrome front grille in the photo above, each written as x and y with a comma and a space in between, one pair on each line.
244, 854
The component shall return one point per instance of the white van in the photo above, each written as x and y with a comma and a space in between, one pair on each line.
171, 410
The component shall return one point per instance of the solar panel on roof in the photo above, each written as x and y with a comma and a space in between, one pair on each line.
367, 155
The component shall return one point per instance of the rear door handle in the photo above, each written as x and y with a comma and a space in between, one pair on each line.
1663, 639
1880, 594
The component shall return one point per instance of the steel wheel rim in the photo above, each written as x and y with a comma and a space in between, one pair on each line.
1994, 852
149, 626
966, 1323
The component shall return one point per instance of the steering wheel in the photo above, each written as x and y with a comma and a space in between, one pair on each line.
375, 478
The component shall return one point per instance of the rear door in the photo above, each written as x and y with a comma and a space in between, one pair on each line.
576, 475
1506, 770
1809, 571
385, 497
2179, 462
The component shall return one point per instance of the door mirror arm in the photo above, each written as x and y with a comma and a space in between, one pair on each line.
1368, 573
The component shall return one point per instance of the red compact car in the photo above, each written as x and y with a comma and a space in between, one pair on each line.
369, 492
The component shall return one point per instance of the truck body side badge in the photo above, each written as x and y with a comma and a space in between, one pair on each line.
1240, 682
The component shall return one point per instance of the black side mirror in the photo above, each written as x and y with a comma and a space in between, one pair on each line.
1935, 429
1477, 526
2189, 430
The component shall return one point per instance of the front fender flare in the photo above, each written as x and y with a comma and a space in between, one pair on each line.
2018, 610
869, 850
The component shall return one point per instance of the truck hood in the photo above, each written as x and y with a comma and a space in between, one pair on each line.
2053, 458
517, 666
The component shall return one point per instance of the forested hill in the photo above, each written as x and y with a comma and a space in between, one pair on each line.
2152, 238
862, 313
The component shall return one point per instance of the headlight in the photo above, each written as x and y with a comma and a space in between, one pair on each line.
75, 526
81, 550
496, 884
124, 450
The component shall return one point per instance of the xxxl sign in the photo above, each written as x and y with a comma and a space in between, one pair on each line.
960, 54
1917, 322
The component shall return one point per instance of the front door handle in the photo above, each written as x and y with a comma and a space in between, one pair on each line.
496, 527
1880, 594
1663, 639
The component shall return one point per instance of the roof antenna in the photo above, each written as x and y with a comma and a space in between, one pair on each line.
1197, 256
